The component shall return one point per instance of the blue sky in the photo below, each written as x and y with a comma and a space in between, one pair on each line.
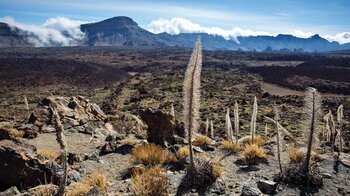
326, 17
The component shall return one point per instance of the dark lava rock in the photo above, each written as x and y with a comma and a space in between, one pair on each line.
267, 187
124, 149
249, 191
161, 126
19, 166
10, 192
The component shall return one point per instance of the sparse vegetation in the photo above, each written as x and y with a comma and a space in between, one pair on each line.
229, 145
50, 154
95, 179
183, 153
295, 155
258, 140
63, 146
150, 155
150, 182
312, 109
191, 94
252, 154
202, 140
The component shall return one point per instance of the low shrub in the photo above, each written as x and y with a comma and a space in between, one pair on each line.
49, 154
183, 152
295, 155
258, 140
150, 182
228, 145
151, 154
252, 154
202, 140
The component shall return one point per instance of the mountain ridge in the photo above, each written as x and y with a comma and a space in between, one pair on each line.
124, 31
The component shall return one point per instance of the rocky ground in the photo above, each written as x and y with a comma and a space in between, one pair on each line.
115, 115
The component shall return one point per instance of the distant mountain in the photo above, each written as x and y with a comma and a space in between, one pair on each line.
12, 37
123, 31
118, 31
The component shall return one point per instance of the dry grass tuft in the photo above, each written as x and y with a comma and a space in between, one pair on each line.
151, 154
216, 170
51, 155
130, 141
150, 182
202, 140
183, 152
16, 133
79, 189
95, 179
228, 145
258, 140
295, 155
43, 190
252, 154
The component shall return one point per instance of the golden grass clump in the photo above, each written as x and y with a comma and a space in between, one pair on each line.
295, 155
95, 179
151, 154
258, 140
150, 182
50, 154
216, 170
228, 145
42, 190
201, 140
252, 153
130, 141
16, 133
79, 189
183, 152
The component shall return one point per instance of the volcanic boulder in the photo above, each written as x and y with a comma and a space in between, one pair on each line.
19, 166
162, 127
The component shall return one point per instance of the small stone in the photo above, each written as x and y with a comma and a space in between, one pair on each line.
11, 191
124, 149
267, 186
327, 175
249, 191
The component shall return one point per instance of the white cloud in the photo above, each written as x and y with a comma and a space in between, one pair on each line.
55, 31
180, 25
342, 38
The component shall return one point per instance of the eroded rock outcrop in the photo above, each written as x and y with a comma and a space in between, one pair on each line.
74, 111
19, 166
161, 126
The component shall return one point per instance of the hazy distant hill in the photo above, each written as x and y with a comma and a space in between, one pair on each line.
12, 37
118, 31
123, 31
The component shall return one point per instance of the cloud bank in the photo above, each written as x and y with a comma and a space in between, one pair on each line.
59, 31
175, 26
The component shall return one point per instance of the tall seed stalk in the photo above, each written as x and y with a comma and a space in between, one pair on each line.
312, 109
63, 146
172, 110
206, 127
333, 130
253, 121
236, 120
26, 105
277, 118
340, 116
228, 125
211, 129
191, 92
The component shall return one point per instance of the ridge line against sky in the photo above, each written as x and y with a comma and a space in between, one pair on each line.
227, 18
